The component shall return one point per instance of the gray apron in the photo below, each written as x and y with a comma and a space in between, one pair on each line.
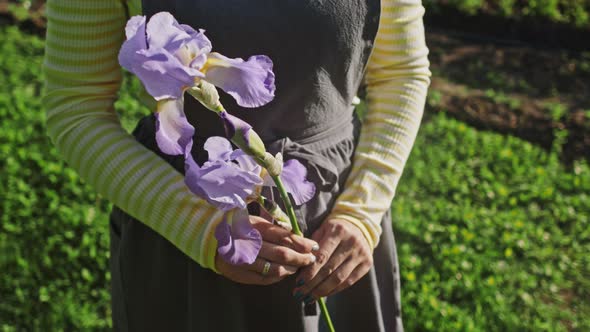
319, 49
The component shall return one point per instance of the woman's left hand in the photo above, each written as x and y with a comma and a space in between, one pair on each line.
344, 257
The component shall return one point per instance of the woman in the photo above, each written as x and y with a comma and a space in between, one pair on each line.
165, 273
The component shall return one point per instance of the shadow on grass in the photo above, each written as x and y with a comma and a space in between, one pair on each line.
538, 95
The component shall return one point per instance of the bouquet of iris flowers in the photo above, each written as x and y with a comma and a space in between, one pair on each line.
173, 60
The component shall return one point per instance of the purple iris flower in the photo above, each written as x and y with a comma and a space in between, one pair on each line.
237, 241
227, 179
165, 57
170, 58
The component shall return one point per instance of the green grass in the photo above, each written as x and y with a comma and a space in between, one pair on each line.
493, 234
492, 231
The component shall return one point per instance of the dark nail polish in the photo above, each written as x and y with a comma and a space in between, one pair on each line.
298, 295
308, 299
300, 282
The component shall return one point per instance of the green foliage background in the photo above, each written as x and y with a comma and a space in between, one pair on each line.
573, 12
492, 231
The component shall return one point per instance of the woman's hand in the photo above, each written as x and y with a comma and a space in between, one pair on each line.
285, 251
344, 257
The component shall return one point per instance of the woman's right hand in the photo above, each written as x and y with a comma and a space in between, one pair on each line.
285, 251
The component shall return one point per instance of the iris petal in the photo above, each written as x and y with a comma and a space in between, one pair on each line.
245, 161
163, 31
199, 46
135, 32
251, 82
162, 74
173, 132
293, 177
218, 148
238, 242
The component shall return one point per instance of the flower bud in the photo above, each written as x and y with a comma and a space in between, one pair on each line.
207, 95
242, 135
274, 165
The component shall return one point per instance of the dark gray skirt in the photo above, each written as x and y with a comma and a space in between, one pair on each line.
155, 287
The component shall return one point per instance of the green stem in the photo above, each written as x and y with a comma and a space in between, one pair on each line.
293, 220
276, 213
288, 205
326, 314
297, 230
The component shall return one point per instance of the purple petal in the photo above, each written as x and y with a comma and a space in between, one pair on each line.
164, 32
192, 174
187, 44
199, 45
245, 161
223, 184
136, 26
218, 148
251, 83
293, 177
173, 132
162, 74
237, 241
136, 41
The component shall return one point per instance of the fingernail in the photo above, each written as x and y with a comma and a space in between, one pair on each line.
308, 299
298, 295
300, 282
313, 258
315, 247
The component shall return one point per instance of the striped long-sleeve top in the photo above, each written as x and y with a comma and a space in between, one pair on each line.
83, 77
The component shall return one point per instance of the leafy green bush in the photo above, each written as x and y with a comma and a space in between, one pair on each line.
53, 229
574, 12
493, 234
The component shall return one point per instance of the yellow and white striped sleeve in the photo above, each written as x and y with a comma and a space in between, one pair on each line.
397, 80
83, 77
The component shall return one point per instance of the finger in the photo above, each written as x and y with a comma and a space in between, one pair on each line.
359, 272
335, 279
265, 215
338, 257
242, 275
285, 256
318, 235
278, 235
328, 245
275, 270
253, 278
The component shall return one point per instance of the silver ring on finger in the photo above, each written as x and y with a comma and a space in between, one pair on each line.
266, 268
